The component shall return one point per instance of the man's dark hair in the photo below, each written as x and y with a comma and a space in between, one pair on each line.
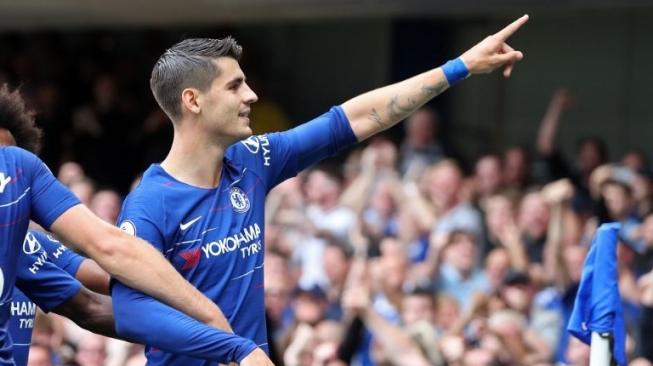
18, 120
345, 249
423, 290
189, 63
595, 142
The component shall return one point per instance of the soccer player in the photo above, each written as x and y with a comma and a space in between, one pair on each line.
46, 277
50, 276
202, 207
28, 190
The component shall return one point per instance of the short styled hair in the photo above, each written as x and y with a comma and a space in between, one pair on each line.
18, 120
189, 63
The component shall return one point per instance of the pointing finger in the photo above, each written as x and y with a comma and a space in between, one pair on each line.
511, 28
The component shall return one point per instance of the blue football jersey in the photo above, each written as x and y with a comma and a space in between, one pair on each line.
214, 237
39, 282
27, 190
57, 252
23, 311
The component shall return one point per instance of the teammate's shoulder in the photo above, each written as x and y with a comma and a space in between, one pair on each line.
14, 150
24, 161
17, 153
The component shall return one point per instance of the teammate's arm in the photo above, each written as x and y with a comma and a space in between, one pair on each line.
92, 276
135, 263
90, 311
142, 319
382, 108
125, 257
85, 270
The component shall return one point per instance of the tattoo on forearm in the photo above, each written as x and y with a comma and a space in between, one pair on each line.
396, 111
376, 118
399, 110
433, 90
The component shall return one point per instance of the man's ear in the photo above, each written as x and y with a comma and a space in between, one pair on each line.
6, 138
189, 100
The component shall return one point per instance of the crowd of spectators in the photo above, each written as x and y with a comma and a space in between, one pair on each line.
399, 257
396, 256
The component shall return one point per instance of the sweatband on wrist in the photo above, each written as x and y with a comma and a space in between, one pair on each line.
455, 71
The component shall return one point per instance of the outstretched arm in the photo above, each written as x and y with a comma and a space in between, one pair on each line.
91, 275
85, 270
145, 320
90, 311
382, 108
124, 256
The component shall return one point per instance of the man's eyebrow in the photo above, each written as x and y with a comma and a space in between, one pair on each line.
236, 80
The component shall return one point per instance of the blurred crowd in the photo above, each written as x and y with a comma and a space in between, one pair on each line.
397, 256
92, 98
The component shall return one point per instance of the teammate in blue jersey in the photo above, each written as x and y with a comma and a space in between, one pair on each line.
202, 207
28, 190
46, 272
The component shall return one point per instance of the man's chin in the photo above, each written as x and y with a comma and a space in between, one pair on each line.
247, 132
243, 134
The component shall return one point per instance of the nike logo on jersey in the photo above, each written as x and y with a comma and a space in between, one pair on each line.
185, 226
4, 180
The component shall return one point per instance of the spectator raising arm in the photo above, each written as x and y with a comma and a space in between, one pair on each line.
357, 194
560, 101
557, 195
399, 347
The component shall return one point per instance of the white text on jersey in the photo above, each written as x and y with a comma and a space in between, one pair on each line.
265, 145
4, 180
247, 239
40, 261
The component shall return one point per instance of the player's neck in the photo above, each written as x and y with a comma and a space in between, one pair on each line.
195, 161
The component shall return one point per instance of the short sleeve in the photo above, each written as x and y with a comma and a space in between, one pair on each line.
44, 283
50, 198
137, 218
281, 155
58, 253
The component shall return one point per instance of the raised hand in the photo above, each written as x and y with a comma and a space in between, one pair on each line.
356, 299
558, 191
493, 52
562, 99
